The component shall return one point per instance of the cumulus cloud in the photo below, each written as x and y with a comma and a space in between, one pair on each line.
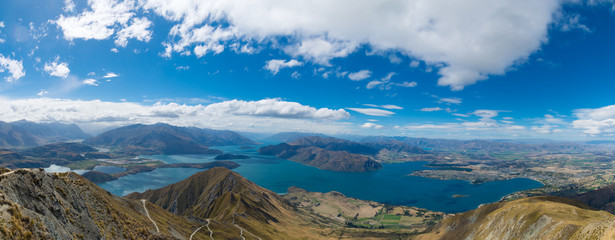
372, 111
90, 81
467, 41
595, 121
57, 68
260, 116
103, 20
137, 30
275, 65
14, 68
360, 75
369, 125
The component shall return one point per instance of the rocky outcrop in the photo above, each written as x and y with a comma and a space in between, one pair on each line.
39, 205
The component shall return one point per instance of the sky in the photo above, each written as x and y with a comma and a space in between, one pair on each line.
420, 68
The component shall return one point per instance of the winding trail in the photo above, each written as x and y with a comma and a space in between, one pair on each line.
211, 233
241, 229
150, 218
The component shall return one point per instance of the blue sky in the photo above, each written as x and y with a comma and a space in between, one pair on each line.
481, 69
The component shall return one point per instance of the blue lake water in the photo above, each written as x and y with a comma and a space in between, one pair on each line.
391, 184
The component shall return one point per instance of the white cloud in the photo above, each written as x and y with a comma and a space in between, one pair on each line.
110, 75
360, 75
414, 64
90, 81
452, 100
275, 65
42, 92
460, 115
386, 106
370, 125
268, 115
596, 121
544, 129
432, 109
372, 111
57, 68
137, 30
276, 108
105, 18
486, 114
386, 84
467, 41
14, 67
69, 6
2, 24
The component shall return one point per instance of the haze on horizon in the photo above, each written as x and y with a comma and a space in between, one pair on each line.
472, 69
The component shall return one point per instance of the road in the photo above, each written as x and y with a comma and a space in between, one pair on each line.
211, 233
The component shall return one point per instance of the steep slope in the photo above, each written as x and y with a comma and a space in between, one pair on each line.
603, 198
52, 132
528, 218
15, 136
341, 161
225, 197
166, 139
39, 205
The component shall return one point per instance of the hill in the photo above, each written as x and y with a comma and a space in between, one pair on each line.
341, 161
39, 205
603, 198
225, 197
528, 218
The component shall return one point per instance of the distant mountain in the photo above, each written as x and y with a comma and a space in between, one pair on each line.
39, 205
53, 132
15, 136
333, 160
25, 133
527, 218
396, 146
166, 139
334, 144
603, 198
481, 145
287, 137
225, 197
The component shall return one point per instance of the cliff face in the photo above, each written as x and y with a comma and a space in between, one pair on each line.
528, 218
39, 205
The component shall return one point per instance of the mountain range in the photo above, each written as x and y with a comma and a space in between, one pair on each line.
162, 138
26, 133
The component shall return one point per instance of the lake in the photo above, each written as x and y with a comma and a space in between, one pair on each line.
391, 184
